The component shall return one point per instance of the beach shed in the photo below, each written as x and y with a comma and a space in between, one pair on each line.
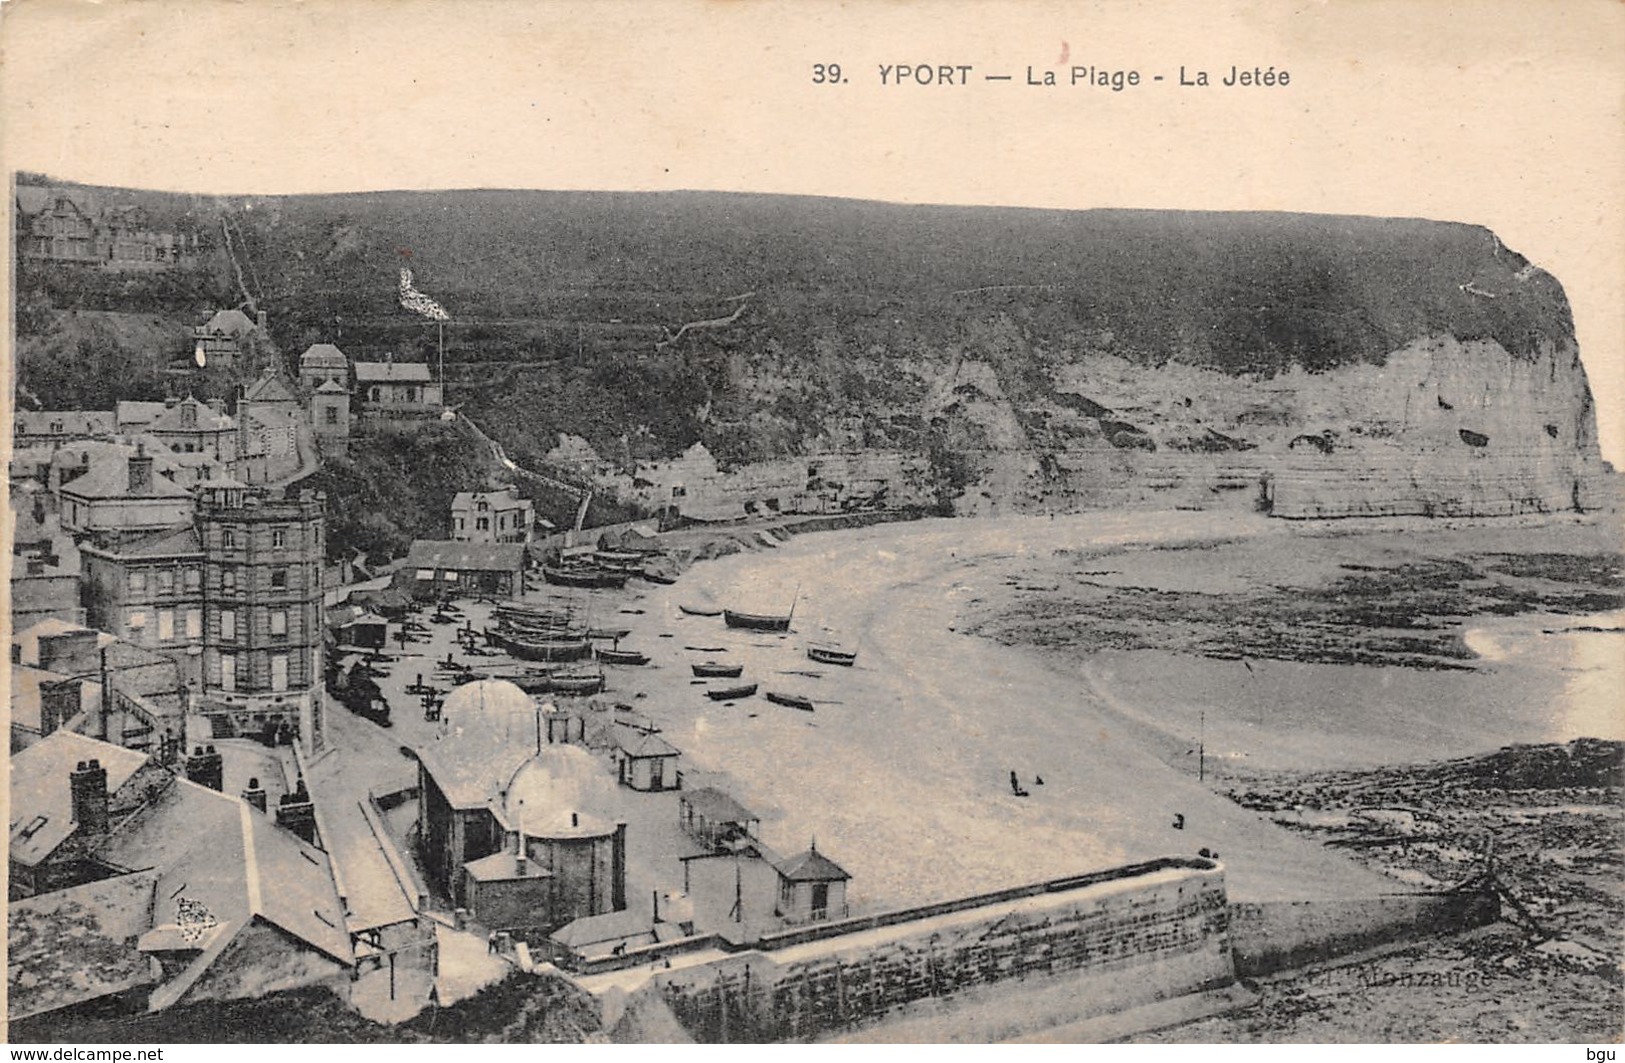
442, 569
812, 887
368, 631
646, 762
714, 819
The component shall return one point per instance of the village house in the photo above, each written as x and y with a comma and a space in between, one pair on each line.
54, 226
54, 427
127, 240
187, 426
146, 702
396, 392
646, 762
221, 341
119, 490
131, 417
492, 517
140, 890
812, 888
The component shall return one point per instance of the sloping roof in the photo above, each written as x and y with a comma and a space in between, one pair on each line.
507, 496
332, 387
216, 853
230, 323
502, 866
41, 803
811, 866
270, 387
109, 477
323, 356
646, 745
604, 927
208, 419
172, 542
77, 945
74, 422
392, 372
484, 557
488, 729
126, 414
717, 806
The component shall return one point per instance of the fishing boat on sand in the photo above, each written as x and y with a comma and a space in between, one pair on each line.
792, 701
761, 621
739, 690
622, 656
716, 670
528, 649
584, 577
576, 683
831, 653
700, 610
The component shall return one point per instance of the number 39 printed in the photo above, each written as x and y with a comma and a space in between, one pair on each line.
827, 74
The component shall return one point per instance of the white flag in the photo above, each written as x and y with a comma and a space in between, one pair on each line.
417, 302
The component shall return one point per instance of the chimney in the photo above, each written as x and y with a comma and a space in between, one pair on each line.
69, 652
206, 768
260, 319
297, 813
140, 471
88, 786
58, 703
255, 794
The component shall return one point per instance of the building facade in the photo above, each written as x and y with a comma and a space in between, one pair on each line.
396, 391
148, 590
492, 517
262, 613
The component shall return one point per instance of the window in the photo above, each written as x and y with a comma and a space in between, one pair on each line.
137, 622
483, 523
331, 414
279, 672
138, 582
228, 671
279, 538
56, 426
166, 581
678, 491
194, 623
228, 623
820, 900
228, 539
228, 578
411, 394
193, 579
279, 577
166, 624
279, 623
502, 523
459, 521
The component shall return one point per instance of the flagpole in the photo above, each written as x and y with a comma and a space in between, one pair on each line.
440, 327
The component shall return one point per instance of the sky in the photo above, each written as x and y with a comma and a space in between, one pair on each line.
1509, 115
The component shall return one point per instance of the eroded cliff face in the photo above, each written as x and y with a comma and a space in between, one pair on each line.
1442, 427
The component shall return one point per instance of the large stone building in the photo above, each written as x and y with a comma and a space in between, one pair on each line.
149, 589
324, 379
55, 225
221, 341
187, 426
262, 608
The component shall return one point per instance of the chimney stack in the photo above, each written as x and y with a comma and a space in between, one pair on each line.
58, 703
255, 794
88, 787
140, 471
297, 813
260, 320
206, 768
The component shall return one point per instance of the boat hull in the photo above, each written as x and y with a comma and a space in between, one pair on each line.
829, 655
732, 693
551, 650
755, 621
718, 671
790, 701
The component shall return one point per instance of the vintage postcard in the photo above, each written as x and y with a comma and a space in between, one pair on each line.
768, 522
